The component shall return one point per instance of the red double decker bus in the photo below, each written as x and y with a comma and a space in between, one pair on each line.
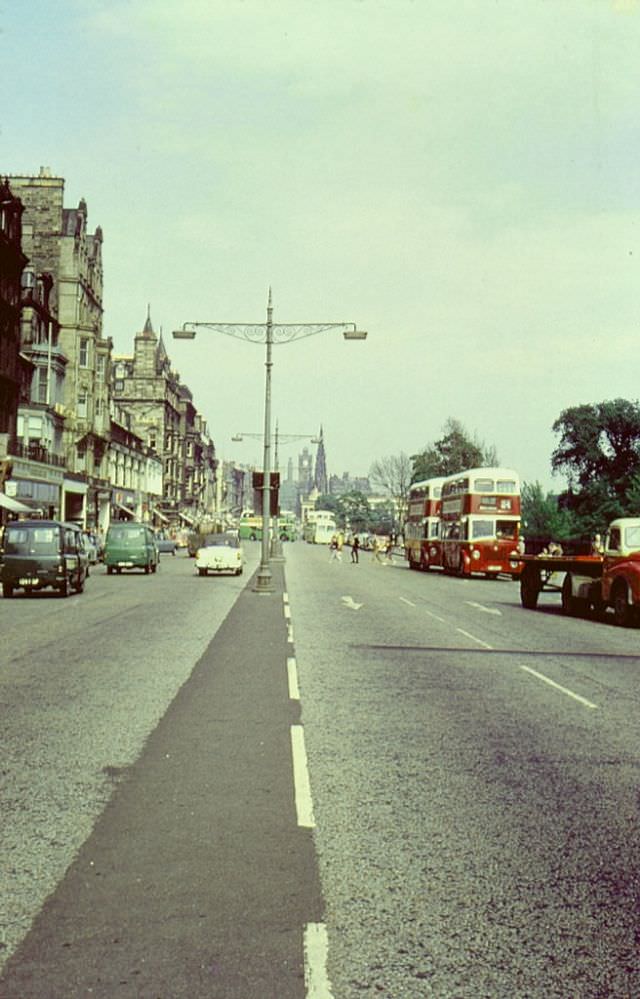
481, 521
423, 548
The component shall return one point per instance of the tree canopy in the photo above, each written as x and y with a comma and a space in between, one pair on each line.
599, 452
351, 508
453, 452
543, 517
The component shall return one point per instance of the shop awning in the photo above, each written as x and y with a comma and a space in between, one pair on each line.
160, 516
14, 505
125, 509
187, 519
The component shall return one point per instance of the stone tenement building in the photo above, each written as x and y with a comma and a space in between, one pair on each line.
65, 322
164, 417
12, 262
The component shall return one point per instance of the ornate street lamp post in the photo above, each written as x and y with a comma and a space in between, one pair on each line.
268, 334
276, 544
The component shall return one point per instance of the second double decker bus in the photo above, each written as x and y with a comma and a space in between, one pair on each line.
422, 545
480, 522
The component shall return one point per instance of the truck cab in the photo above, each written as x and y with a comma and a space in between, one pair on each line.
621, 568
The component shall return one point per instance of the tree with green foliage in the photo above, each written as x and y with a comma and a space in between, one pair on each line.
599, 452
453, 452
543, 517
354, 510
350, 509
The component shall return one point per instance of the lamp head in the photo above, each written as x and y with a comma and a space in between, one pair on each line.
184, 334
237, 437
355, 334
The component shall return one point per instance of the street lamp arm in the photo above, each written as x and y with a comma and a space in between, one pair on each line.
281, 332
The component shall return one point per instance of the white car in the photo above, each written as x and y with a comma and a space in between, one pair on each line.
220, 553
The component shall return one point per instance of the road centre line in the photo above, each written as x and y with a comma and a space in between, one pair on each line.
285, 598
301, 782
316, 946
487, 610
431, 614
287, 611
292, 673
405, 601
474, 639
564, 690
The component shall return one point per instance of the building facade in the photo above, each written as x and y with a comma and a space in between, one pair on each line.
62, 330
165, 418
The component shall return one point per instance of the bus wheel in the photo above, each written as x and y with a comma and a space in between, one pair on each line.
64, 587
7, 590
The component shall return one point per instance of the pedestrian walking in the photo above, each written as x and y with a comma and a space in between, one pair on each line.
355, 547
376, 550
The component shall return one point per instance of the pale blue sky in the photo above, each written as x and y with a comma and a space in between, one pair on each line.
459, 178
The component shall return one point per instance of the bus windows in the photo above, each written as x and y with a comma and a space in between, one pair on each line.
506, 530
482, 529
483, 486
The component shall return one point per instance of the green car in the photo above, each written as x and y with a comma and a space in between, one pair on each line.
130, 546
41, 554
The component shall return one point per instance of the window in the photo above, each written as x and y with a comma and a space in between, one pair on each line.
632, 538
100, 365
81, 405
483, 485
506, 486
83, 353
506, 529
482, 529
40, 385
118, 385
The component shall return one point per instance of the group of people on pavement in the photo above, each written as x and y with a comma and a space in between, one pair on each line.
377, 549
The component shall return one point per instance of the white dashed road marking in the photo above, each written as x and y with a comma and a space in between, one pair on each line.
564, 690
317, 984
302, 784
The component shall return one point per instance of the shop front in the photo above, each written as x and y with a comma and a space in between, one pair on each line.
37, 486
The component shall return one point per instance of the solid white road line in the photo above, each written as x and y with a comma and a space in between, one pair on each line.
474, 639
316, 946
292, 672
564, 690
405, 601
302, 785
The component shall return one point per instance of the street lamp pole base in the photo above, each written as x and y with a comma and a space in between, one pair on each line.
264, 580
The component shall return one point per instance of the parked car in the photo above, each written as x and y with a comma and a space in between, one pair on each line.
220, 553
165, 544
37, 554
130, 545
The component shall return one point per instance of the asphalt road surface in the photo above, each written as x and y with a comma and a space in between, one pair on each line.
469, 829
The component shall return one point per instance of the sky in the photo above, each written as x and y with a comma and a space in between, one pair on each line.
458, 178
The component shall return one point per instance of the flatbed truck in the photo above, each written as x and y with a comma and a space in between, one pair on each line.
591, 584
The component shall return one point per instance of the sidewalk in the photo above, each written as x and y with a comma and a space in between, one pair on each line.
196, 881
